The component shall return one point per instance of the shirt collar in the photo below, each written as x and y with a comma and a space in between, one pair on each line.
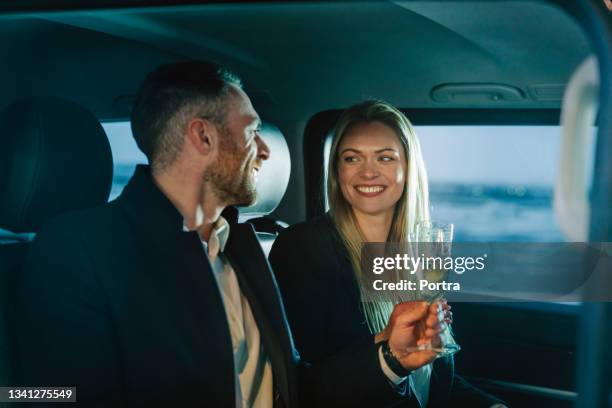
219, 234
222, 230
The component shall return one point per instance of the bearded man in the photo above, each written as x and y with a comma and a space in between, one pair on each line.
158, 298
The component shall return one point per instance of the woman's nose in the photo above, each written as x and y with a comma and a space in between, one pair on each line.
369, 170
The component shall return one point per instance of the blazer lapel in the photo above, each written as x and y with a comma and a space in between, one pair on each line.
259, 286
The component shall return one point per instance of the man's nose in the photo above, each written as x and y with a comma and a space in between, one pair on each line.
263, 151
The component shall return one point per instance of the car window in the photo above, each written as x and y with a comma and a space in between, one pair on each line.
126, 154
495, 183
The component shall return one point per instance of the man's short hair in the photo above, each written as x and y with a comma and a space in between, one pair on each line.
169, 97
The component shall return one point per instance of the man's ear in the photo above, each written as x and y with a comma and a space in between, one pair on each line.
202, 134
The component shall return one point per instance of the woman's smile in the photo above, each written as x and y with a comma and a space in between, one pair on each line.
370, 190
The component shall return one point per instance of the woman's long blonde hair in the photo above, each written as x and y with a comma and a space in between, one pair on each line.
412, 207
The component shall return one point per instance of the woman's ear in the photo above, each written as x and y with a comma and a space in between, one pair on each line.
202, 134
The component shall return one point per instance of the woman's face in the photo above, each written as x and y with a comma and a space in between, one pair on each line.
371, 168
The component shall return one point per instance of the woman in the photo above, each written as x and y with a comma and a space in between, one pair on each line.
377, 191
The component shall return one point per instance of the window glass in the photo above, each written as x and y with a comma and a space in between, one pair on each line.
495, 183
126, 154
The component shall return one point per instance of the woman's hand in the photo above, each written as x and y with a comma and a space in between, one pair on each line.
413, 324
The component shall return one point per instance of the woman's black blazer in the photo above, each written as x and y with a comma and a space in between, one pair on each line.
323, 307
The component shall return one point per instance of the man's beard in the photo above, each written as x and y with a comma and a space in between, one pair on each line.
232, 184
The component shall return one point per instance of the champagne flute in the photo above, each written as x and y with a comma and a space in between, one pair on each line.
434, 240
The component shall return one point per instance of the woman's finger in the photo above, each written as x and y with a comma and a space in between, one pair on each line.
432, 332
433, 319
436, 329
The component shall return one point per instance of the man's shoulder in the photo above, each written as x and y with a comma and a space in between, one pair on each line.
66, 245
79, 223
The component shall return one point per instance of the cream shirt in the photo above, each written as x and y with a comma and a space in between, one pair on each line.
251, 363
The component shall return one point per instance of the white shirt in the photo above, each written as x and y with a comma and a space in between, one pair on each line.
251, 363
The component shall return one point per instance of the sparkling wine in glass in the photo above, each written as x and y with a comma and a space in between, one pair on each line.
433, 242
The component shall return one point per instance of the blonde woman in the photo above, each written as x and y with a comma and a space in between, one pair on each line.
377, 191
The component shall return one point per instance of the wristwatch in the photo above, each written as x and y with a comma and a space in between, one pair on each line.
392, 361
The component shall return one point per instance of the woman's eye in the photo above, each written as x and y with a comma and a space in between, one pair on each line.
386, 158
350, 159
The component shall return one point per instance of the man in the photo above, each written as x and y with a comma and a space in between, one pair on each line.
155, 298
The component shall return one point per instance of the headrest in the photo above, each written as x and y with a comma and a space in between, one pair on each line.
55, 158
273, 176
571, 196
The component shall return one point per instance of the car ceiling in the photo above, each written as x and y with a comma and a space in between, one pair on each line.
298, 59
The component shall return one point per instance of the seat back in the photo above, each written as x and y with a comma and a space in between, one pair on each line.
11, 257
267, 229
55, 158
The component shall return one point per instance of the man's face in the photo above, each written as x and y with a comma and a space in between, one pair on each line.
241, 153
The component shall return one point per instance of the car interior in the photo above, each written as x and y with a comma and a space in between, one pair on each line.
500, 92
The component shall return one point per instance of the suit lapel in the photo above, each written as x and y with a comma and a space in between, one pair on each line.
259, 286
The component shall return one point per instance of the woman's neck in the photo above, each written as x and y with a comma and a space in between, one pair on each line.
375, 227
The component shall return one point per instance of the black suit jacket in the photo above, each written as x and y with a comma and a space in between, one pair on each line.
120, 302
322, 300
